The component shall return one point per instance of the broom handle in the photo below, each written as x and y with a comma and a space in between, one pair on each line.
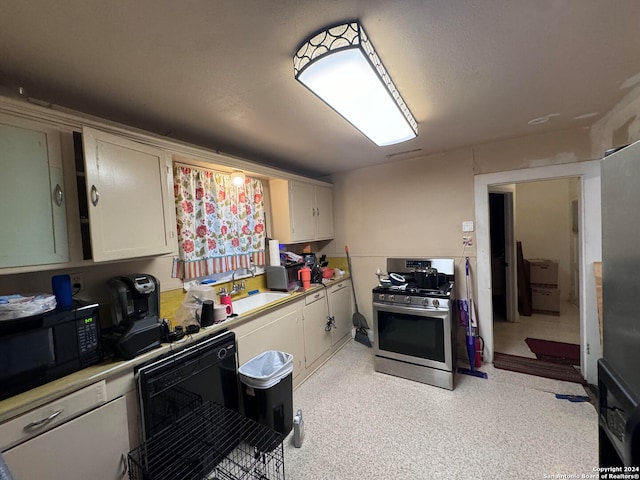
469, 300
353, 287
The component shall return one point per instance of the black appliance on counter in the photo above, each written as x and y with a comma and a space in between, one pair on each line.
135, 311
311, 261
619, 369
41, 348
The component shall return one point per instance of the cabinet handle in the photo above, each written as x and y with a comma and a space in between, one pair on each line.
58, 195
313, 211
317, 212
95, 195
41, 423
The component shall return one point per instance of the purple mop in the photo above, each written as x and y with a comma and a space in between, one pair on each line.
468, 317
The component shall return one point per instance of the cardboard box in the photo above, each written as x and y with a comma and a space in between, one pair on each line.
543, 273
545, 300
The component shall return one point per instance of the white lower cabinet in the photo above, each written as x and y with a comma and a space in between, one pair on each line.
92, 446
341, 310
279, 330
317, 334
302, 328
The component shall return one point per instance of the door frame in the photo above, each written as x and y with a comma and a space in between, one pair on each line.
508, 194
590, 251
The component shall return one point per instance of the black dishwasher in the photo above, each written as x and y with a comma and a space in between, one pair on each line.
191, 425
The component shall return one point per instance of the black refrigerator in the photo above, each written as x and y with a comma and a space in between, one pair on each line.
619, 369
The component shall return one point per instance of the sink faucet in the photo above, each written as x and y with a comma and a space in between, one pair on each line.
238, 287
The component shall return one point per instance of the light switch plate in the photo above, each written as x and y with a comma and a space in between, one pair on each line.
467, 226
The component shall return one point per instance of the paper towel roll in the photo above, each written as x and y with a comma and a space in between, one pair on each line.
274, 252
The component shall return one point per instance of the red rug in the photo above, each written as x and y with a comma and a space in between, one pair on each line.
556, 352
539, 368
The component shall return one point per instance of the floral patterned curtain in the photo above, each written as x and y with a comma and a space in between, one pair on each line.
220, 226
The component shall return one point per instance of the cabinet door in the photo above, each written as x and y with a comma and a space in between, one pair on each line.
340, 302
130, 192
280, 330
302, 204
32, 195
93, 446
317, 340
324, 213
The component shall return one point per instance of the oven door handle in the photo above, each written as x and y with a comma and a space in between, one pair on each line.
422, 312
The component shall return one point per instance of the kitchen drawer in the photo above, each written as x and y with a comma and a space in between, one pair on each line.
92, 446
314, 297
52, 414
339, 286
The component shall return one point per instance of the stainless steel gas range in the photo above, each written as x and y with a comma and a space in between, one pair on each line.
414, 326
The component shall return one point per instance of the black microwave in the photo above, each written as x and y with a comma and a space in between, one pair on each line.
38, 349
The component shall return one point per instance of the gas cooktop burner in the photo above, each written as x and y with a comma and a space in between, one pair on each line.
443, 290
413, 294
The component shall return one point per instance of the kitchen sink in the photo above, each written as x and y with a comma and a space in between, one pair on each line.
257, 300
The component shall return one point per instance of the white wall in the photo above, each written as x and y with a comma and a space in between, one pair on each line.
543, 225
410, 208
620, 126
94, 277
416, 207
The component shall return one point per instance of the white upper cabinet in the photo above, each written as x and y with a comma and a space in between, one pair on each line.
301, 212
32, 194
129, 189
324, 213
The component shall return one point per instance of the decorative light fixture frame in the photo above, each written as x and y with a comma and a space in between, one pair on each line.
349, 35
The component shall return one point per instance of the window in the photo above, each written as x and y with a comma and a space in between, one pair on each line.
220, 226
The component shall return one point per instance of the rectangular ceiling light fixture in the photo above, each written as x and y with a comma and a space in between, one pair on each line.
341, 67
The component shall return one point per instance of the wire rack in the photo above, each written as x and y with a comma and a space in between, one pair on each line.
210, 443
167, 407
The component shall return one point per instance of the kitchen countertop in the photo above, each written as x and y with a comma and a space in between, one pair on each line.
36, 397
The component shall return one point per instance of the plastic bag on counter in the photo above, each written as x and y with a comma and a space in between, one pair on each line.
19, 306
189, 311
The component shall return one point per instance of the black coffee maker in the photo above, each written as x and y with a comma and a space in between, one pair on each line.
311, 261
135, 311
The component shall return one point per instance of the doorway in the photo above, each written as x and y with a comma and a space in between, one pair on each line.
541, 219
503, 253
589, 251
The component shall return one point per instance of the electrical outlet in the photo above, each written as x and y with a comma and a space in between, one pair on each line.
467, 240
76, 282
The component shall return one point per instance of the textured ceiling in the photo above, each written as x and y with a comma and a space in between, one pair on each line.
220, 73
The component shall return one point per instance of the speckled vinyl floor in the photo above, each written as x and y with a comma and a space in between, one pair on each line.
509, 337
360, 424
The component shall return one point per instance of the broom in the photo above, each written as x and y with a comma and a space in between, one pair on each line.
358, 319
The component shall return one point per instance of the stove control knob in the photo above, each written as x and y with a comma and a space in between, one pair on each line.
425, 302
435, 303
222, 353
407, 299
392, 298
381, 297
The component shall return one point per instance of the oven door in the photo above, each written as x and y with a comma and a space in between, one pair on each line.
413, 335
